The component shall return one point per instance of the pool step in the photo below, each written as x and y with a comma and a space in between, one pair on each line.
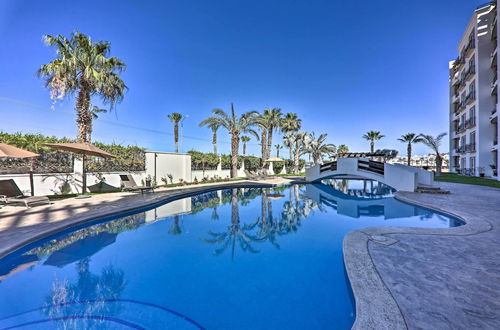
425, 189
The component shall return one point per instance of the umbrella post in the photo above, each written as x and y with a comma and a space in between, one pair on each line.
32, 169
84, 176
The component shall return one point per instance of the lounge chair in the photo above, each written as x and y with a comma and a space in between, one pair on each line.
130, 185
10, 193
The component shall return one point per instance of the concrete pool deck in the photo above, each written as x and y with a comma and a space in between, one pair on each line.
422, 278
20, 226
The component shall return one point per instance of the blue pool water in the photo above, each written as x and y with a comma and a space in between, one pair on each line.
241, 258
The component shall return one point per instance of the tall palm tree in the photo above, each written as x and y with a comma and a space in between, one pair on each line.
94, 113
290, 123
175, 118
317, 147
214, 127
263, 125
274, 118
434, 143
83, 67
278, 147
410, 138
298, 141
342, 149
372, 136
245, 139
235, 126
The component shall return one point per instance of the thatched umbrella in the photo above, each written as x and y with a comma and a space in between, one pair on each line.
273, 160
83, 149
8, 151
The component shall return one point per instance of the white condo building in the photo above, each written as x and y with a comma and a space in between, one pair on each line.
474, 97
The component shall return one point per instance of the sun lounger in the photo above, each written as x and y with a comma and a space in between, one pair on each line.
130, 185
10, 193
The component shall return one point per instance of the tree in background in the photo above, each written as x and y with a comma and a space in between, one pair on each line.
434, 143
278, 148
274, 119
342, 149
317, 147
83, 67
175, 118
94, 112
290, 123
372, 136
235, 126
214, 127
245, 139
410, 138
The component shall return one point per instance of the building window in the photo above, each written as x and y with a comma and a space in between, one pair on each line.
472, 112
472, 88
472, 163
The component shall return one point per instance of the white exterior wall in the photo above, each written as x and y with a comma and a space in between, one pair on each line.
176, 164
51, 183
199, 174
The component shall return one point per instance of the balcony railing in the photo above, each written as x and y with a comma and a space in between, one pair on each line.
471, 147
470, 97
471, 122
461, 128
470, 46
470, 72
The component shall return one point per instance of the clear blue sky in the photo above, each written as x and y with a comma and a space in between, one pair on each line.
344, 66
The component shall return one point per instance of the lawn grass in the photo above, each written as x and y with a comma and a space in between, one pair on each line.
456, 178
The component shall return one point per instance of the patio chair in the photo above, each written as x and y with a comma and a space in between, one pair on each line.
10, 193
130, 185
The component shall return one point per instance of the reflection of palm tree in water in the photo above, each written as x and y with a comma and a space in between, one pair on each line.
236, 234
176, 228
88, 287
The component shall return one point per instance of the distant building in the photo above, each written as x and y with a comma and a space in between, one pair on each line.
427, 162
474, 97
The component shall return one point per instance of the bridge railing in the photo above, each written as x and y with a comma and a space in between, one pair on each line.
371, 166
330, 166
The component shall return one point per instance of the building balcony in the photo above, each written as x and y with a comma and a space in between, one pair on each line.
471, 122
493, 28
471, 45
460, 128
471, 97
493, 60
471, 71
471, 147
494, 89
458, 63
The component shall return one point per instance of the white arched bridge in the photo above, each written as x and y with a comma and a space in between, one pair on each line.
397, 176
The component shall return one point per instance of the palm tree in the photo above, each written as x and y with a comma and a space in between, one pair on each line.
372, 136
235, 126
317, 147
278, 147
94, 112
434, 143
245, 139
263, 125
273, 118
82, 67
410, 138
175, 118
214, 127
298, 141
290, 123
342, 149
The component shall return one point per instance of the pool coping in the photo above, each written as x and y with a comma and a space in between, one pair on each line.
376, 308
168, 196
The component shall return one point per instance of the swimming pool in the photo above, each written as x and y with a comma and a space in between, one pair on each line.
230, 259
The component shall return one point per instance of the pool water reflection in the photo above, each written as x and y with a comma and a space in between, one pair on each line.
236, 258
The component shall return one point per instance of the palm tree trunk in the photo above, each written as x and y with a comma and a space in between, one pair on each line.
244, 148
83, 116
176, 136
438, 164
372, 146
214, 142
409, 153
269, 142
296, 160
235, 139
264, 146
